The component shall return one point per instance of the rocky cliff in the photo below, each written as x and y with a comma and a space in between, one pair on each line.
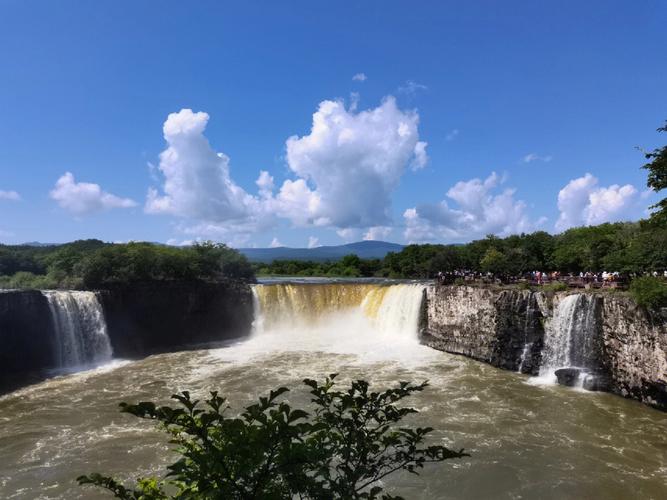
634, 350
501, 327
620, 344
137, 320
148, 318
26, 341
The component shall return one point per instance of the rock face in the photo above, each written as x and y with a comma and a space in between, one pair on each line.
149, 318
623, 349
25, 337
141, 319
568, 376
503, 328
635, 351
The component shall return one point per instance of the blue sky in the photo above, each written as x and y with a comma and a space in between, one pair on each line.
470, 117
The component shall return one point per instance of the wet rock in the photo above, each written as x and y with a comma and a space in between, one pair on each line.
596, 382
501, 327
149, 318
568, 376
26, 338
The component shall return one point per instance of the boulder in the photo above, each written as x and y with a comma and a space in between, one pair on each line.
568, 376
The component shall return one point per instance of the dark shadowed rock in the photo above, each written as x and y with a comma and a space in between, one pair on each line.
568, 376
596, 382
26, 338
155, 317
141, 319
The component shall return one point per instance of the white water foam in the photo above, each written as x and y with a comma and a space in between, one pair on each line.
81, 331
381, 327
568, 339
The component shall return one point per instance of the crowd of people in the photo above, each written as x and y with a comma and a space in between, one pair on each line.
602, 278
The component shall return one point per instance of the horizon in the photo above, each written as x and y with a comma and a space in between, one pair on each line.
440, 124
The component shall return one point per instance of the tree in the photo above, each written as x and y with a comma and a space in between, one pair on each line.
342, 449
494, 262
657, 177
650, 292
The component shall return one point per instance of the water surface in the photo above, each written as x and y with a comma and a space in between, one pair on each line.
526, 441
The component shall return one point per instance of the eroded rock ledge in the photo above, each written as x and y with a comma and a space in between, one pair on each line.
506, 328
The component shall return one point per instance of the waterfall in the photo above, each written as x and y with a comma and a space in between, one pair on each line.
80, 330
364, 323
389, 309
527, 327
570, 336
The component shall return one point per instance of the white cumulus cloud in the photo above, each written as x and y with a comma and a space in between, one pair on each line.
348, 234
9, 195
378, 233
583, 202
197, 182
313, 242
360, 77
350, 164
84, 198
481, 208
344, 173
275, 243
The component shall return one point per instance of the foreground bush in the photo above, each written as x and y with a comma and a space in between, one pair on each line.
340, 449
649, 292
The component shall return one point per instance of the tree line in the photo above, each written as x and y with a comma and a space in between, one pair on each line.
95, 264
624, 247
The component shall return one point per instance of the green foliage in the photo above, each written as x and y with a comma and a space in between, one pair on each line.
94, 264
556, 286
135, 262
341, 449
657, 177
649, 292
493, 262
626, 247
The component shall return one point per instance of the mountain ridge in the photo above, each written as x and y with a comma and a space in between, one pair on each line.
369, 249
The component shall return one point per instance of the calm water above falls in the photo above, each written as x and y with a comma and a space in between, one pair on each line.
526, 441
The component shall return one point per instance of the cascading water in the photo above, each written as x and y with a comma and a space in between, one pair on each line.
370, 322
81, 332
570, 336
393, 308
527, 344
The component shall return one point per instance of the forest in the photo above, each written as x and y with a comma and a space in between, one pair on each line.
94, 264
624, 247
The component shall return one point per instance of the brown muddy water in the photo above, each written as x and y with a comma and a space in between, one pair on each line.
525, 440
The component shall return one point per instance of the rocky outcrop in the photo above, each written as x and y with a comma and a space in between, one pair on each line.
149, 318
501, 327
26, 340
624, 351
635, 350
141, 319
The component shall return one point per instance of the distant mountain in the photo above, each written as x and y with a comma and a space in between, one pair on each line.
36, 244
364, 249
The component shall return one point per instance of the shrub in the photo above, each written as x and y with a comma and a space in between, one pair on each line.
556, 286
649, 292
340, 450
